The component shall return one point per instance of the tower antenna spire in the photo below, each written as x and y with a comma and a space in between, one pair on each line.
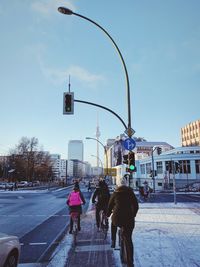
69, 85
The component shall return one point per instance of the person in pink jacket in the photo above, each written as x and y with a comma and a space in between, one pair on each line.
75, 201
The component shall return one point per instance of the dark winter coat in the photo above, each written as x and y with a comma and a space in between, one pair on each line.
123, 205
101, 197
76, 208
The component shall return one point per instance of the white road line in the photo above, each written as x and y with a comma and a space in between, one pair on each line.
37, 244
93, 248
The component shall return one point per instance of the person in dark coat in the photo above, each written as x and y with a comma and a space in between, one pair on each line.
77, 207
123, 206
101, 197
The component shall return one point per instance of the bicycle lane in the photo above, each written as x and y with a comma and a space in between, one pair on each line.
91, 249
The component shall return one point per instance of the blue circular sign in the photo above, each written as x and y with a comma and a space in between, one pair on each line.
129, 144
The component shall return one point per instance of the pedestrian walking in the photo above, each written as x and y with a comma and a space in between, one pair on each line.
123, 206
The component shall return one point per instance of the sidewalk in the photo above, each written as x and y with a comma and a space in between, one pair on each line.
91, 249
166, 235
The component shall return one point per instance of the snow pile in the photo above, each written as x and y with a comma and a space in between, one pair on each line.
167, 235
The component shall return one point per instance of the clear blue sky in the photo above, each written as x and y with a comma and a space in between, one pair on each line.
40, 48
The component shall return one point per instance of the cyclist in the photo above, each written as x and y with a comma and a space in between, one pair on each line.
101, 197
123, 205
74, 201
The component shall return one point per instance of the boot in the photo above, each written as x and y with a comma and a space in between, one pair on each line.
113, 244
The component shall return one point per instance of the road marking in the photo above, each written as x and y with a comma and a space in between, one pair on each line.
37, 244
93, 248
89, 240
30, 264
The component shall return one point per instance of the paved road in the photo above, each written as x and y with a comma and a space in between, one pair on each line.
38, 219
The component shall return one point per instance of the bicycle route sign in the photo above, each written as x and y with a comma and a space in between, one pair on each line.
129, 144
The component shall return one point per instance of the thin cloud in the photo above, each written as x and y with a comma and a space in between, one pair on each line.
57, 76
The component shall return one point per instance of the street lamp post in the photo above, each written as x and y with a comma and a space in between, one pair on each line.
153, 171
67, 11
105, 150
99, 161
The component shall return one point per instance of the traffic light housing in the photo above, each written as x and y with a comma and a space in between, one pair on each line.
159, 150
132, 167
68, 103
125, 159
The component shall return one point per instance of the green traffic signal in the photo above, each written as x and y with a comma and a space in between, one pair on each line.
132, 167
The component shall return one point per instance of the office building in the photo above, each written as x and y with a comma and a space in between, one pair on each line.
75, 150
190, 134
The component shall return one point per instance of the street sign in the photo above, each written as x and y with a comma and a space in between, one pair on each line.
110, 171
129, 144
129, 131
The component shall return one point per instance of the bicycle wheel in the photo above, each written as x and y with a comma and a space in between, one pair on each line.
75, 232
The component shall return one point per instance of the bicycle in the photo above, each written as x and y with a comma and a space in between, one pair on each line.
74, 216
103, 223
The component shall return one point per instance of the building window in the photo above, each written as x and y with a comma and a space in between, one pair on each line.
168, 166
197, 165
159, 167
185, 166
159, 184
148, 168
142, 168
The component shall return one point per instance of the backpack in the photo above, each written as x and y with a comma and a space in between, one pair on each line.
75, 199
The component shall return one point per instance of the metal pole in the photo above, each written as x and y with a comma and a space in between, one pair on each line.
153, 176
174, 182
105, 151
100, 162
67, 11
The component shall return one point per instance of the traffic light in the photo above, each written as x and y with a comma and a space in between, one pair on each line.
159, 150
153, 174
132, 167
68, 103
125, 159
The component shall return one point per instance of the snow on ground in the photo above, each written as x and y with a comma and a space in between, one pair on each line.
167, 235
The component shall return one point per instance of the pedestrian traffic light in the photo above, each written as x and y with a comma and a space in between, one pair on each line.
153, 174
68, 103
125, 159
159, 150
132, 167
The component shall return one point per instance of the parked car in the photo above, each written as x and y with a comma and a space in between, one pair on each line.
2, 185
22, 184
10, 186
9, 250
36, 183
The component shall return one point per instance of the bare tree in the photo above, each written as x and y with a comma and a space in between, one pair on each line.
29, 162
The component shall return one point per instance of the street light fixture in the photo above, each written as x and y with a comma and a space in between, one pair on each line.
68, 11
105, 150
